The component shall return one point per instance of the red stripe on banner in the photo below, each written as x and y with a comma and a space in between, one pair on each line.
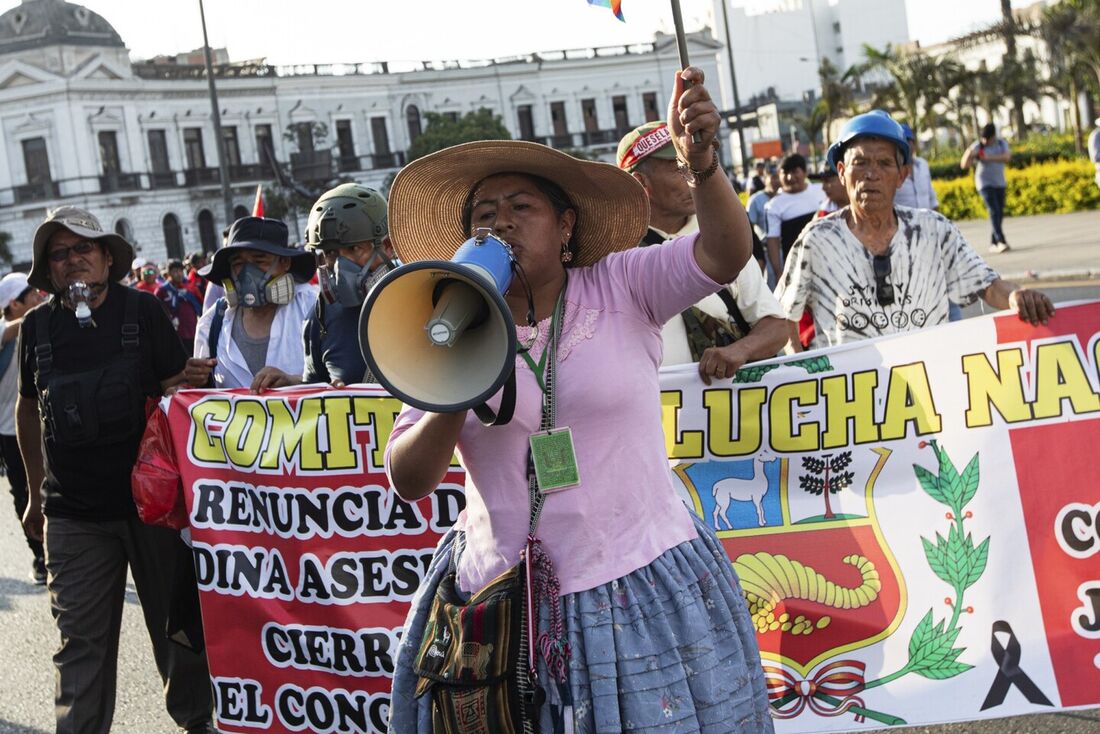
1060, 494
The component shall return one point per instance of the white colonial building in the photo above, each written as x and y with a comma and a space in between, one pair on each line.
134, 142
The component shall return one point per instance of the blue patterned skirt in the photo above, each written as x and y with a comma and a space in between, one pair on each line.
667, 648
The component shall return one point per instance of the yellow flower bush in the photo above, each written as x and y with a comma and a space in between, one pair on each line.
1045, 188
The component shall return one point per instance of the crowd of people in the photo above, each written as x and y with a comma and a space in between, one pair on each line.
858, 253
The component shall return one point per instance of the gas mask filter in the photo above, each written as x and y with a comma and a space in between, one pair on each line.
252, 288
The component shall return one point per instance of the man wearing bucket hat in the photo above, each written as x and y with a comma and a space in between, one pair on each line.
874, 268
739, 323
89, 360
258, 323
591, 309
17, 297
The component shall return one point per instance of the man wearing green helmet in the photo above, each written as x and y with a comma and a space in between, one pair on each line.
349, 231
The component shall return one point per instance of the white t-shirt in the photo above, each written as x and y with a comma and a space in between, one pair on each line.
916, 191
784, 206
753, 299
830, 272
9, 388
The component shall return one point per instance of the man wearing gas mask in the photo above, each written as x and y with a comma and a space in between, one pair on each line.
89, 359
349, 233
259, 320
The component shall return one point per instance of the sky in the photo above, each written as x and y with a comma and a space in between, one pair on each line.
346, 31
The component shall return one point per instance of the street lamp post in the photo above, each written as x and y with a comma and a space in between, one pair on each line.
223, 164
736, 98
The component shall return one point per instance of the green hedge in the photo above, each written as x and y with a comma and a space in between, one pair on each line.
1044, 188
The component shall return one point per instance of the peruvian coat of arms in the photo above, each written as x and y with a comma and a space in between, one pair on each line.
820, 580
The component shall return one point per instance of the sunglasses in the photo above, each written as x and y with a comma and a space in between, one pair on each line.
883, 290
150, 271
61, 254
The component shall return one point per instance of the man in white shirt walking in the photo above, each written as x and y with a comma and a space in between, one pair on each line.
790, 210
916, 190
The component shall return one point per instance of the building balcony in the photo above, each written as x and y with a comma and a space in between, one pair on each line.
347, 163
109, 182
163, 180
311, 166
385, 160
603, 137
249, 172
201, 176
43, 191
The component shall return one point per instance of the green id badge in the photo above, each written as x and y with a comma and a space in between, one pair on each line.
555, 461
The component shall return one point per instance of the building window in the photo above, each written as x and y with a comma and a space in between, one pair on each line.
588, 111
452, 116
380, 135
208, 234
836, 26
124, 230
412, 120
557, 118
108, 152
649, 104
265, 148
158, 152
192, 146
622, 121
304, 133
345, 143
526, 122
232, 146
173, 236
37, 161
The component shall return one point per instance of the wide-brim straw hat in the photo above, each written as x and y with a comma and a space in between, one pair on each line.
427, 197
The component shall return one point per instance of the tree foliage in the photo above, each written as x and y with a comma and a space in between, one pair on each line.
442, 131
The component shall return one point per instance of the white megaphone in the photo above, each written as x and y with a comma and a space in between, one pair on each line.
438, 335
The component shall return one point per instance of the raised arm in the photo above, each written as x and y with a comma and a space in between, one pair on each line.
725, 239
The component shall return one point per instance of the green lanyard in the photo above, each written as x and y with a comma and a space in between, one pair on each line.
539, 368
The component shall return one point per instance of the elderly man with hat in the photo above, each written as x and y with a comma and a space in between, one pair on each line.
89, 359
17, 297
874, 268
258, 322
742, 321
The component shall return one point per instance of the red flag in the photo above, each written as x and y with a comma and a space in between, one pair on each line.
258, 207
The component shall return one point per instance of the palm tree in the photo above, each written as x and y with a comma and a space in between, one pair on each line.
916, 81
1071, 31
836, 96
1009, 65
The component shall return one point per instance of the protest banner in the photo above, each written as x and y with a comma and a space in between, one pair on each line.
915, 521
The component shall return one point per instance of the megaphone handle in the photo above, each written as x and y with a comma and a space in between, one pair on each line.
507, 405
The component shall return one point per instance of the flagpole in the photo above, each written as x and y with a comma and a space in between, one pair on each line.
682, 48
219, 138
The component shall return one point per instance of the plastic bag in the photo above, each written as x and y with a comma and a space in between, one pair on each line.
155, 481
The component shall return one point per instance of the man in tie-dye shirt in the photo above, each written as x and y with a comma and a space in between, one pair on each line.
874, 268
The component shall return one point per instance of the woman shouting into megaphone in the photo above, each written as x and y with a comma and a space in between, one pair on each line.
577, 587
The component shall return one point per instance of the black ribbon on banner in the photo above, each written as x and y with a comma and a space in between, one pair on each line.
1009, 673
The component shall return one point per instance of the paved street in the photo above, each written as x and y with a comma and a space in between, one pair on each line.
27, 634
1048, 245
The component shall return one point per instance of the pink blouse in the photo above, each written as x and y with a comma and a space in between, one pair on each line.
625, 511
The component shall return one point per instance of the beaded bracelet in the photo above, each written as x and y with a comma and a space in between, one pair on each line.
694, 177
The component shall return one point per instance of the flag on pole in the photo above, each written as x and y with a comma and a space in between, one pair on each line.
615, 5
258, 207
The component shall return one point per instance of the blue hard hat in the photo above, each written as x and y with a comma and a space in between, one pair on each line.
876, 123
